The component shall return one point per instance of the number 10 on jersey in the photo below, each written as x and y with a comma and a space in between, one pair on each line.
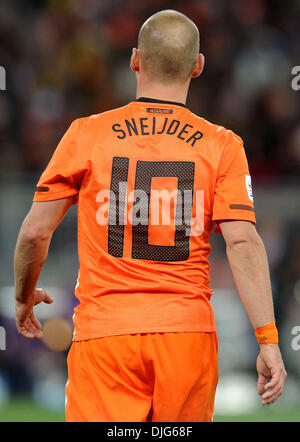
142, 199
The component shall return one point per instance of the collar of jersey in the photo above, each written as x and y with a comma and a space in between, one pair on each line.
154, 100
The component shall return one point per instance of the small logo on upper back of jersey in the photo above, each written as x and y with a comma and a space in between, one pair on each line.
157, 110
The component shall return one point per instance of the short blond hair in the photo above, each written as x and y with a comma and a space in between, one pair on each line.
169, 46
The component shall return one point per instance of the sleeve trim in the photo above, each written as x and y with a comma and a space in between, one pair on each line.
241, 207
54, 196
235, 216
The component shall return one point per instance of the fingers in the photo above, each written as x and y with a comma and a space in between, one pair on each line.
48, 299
261, 382
274, 388
42, 296
35, 322
29, 330
272, 396
27, 323
277, 378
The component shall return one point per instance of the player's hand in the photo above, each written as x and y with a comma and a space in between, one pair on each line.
27, 324
271, 373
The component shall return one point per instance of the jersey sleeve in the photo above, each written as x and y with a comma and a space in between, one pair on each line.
233, 198
62, 176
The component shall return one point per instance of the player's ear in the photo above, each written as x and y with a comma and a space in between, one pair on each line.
135, 60
199, 66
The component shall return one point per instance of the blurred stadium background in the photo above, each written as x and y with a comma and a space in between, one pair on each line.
68, 59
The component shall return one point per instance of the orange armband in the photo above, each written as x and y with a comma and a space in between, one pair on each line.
267, 334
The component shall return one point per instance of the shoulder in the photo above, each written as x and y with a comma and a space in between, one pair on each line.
95, 120
219, 135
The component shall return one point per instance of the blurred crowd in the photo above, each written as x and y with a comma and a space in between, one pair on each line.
66, 59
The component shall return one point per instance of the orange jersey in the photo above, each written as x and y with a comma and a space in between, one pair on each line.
150, 178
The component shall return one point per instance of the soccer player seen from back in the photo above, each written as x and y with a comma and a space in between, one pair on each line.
151, 180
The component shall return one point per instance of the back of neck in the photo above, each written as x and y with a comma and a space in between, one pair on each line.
175, 92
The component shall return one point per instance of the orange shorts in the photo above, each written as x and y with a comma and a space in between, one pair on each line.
154, 377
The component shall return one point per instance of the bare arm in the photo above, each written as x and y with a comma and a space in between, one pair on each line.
249, 265
30, 254
248, 261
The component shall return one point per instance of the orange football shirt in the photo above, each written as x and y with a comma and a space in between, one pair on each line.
150, 179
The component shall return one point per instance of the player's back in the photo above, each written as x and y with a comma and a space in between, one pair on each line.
151, 179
